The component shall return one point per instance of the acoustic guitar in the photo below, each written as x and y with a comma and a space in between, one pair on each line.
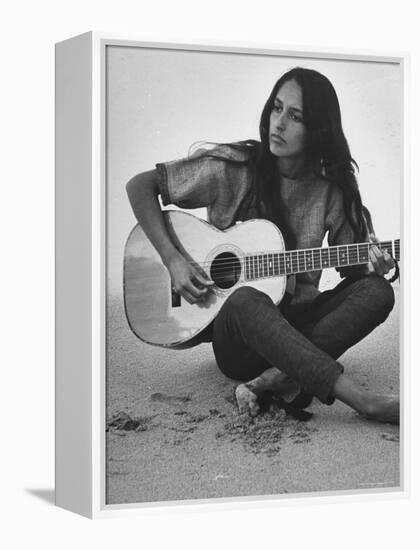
251, 253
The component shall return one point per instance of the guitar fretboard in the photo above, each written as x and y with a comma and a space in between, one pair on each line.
289, 262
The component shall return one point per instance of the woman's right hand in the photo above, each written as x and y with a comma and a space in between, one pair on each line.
187, 280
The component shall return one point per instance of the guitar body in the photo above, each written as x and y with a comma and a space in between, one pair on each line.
161, 317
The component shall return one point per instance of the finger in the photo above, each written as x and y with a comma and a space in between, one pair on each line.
389, 260
385, 261
189, 292
203, 280
188, 296
196, 293
197, 290
379, 254
374, 261
377, 259
370, 268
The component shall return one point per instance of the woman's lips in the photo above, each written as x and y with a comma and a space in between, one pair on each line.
278, 139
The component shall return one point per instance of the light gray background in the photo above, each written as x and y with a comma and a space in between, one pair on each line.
160, 102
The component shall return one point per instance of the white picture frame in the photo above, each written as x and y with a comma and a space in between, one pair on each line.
81, 266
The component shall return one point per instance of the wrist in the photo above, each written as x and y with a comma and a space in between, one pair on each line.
170, 255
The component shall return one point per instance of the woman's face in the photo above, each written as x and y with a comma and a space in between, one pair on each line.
287, 135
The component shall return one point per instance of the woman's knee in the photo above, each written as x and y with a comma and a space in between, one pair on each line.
246, 297
379, 293
245, 302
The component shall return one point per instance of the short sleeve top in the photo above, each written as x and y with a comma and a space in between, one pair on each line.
313, 206
222, 185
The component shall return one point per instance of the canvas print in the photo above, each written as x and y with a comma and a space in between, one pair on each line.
253, 274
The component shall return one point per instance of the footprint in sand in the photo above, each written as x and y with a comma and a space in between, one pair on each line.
390, 437
169, 399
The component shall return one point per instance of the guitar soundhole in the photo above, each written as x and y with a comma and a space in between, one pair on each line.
225, 270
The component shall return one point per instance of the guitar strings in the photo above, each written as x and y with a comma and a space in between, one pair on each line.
352, 258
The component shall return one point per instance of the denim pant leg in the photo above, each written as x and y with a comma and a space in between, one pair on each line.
340, 318
250, 334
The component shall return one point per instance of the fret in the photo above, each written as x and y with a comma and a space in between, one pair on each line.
308, 260
363, 253
386, 245
301, 256
270, 265
294, 255
352, 254
260, 266
287, 262
265, 265
333, 257
282, 269
276, 264
325, 258
397, 249
343, 255
316, 253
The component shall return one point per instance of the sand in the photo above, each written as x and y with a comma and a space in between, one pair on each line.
174, 433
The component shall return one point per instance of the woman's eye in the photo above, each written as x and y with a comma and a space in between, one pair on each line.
295, 117
277, 108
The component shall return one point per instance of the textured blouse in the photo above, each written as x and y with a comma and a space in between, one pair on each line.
313, 207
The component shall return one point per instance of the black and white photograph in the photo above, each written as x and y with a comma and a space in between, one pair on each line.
253, 273
210, 274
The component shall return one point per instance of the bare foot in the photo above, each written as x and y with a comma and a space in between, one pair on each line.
383, 408
276, 382
247, 400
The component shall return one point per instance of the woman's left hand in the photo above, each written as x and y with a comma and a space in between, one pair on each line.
380, 261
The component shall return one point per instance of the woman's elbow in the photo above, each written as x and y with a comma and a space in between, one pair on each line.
133, 186
146, 182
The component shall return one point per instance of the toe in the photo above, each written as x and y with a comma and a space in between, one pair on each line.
254, 408
247, 401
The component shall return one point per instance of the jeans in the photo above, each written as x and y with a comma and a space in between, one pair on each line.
251, 334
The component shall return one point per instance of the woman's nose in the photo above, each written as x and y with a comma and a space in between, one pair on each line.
281, 121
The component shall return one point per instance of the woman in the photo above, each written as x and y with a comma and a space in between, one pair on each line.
300, 176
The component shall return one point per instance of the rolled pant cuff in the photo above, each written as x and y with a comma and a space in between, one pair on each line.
325, 391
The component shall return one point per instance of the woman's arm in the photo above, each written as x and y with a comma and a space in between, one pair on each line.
340, 232
143, 192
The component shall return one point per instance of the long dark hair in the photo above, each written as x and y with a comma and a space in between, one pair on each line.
327, 151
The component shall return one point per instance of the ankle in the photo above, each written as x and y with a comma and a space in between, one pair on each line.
257, 386
351, 394
367, 407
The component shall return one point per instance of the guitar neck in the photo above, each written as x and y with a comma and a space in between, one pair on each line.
289, 262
